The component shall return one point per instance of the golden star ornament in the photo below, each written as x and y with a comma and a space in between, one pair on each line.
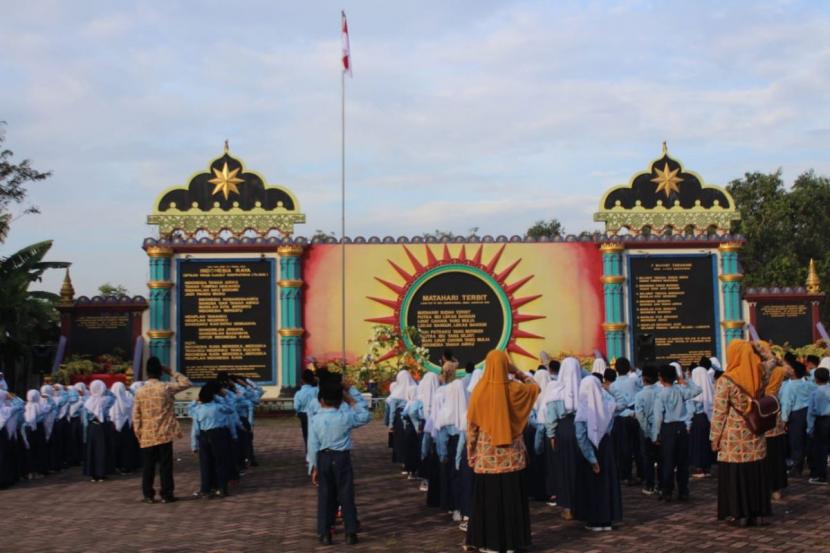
667, 181
225, 181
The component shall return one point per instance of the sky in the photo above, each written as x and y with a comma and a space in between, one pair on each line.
459, 114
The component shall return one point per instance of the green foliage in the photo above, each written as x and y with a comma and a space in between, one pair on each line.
783, 229
547, 229
78, 365
323, 235
13, 180
446, 235
112, 291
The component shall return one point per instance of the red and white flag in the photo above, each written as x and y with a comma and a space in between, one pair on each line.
344, 34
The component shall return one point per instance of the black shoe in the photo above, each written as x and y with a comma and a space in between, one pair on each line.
221, 493
683, 497
325, 539
148, 500
171, 499
351, 539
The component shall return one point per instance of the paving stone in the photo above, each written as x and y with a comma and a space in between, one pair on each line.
274, 509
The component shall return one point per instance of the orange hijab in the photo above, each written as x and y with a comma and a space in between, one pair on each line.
743, 366
499, 406
775, 380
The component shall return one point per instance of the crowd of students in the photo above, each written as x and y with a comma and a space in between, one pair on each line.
58, 427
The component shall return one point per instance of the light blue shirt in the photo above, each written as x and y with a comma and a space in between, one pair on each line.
795, 395
555, 410
314, 404
819, 405
671, 405
207, 416
332, 429
415, 412
624, 389
303, 397
391, 407
585, 445
442, 441
644, 408
88, 417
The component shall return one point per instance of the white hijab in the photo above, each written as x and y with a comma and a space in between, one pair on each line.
453, 410
135, 386
542, 378
678, 368
3, 385
32, 409
702, 378
426, 392
5, 409
598, 367
122, 410
476, 376
824, 363
566, 388
410, 397
62, 395
594, 409
95, 403
399, 388
48, 406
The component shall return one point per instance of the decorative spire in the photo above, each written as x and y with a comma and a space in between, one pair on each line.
227, 146
67, 290
665, 148
813, 282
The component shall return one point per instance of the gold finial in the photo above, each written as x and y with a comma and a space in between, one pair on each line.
665, 148
67, 291
813, 282
227, 146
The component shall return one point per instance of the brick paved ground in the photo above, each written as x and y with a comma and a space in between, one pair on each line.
273, 509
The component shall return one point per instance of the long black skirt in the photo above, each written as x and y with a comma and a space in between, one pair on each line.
125, 450
551, 471
55, 445
76, 441
464, 500
99, 461
8, 460
432, 468
448, 478
700, 448
743, 491
37, 458
776, 462
398, 438
412, 452
536, 469
599, 498
566, 459
501, 515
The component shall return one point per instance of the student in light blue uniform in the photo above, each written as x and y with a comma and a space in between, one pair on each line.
818, 427
210, 438
99, 461
671, 430
451, 425
399, 396
34, 415
598, 501
559, 408
535, 441
700, 448
329, 457
644, 413
626, 431
795, 398
304, 395
419, 413
49, 401
76, 425
9, 416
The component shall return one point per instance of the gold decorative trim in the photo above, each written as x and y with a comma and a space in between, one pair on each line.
159, 284
813, 283
730, 246
611, 247
289, 283
290, 250
160, 334
736, 277
733, 324
612, 279
159, 251
614, 327
234, 220
291, 331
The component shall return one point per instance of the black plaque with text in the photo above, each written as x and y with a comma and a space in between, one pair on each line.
226, 319
460, 311
784, 322
95, 333
673, 300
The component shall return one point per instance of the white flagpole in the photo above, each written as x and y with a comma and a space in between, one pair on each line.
343, 214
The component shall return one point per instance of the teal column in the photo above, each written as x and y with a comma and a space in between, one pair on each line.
160, 285
291, 315
730, 279
613, 281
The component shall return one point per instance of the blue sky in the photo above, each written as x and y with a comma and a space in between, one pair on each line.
460, 114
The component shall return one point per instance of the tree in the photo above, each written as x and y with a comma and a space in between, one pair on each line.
112, 291
548, 229
27, 317
783, 229
13, 180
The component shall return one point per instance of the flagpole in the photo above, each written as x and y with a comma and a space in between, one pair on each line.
343, 214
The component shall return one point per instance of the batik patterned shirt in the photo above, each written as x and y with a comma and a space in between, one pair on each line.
154, 419
486, 458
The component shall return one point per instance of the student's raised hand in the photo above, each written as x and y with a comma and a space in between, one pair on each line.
314, 476
595, 468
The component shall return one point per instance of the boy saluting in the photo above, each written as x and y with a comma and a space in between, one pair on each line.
329, 456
